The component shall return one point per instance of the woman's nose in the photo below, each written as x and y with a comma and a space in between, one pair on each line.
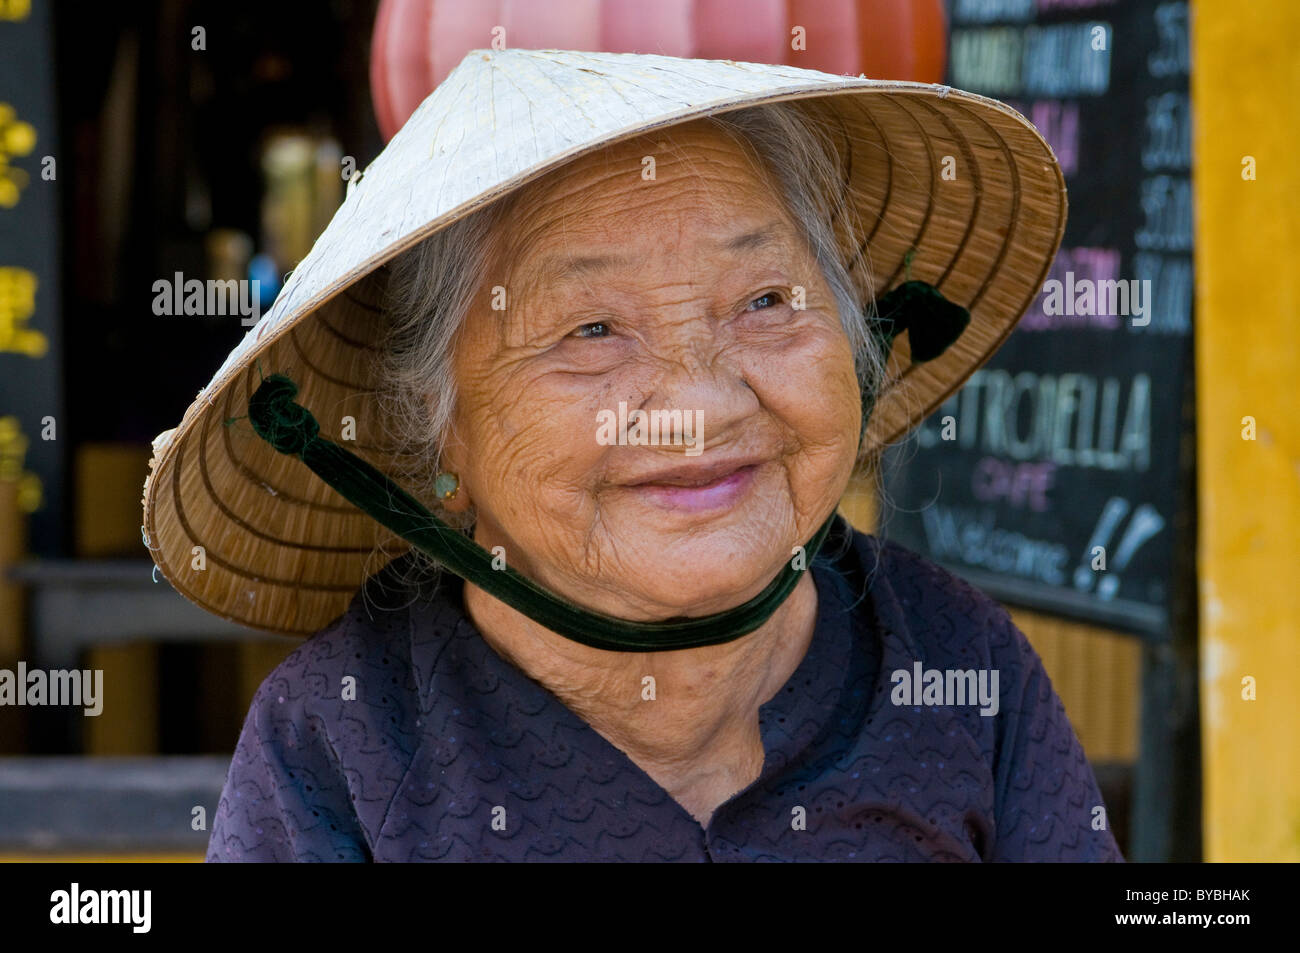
699, 381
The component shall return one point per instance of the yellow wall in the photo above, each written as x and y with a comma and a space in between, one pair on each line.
1246, 102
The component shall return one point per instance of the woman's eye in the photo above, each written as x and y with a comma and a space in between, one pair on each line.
598, 329
769, 300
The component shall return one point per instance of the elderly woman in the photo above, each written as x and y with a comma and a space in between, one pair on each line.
594, 339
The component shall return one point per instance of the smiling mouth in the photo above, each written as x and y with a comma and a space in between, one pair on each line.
719, 489
696, 483
695, 475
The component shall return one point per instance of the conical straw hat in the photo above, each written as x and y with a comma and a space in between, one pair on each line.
282, 551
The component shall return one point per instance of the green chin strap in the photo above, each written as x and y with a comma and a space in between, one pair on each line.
933, 323
291, 429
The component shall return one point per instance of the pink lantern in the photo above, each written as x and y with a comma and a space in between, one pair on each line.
418, 42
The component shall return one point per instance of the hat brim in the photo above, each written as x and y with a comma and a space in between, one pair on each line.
282, 551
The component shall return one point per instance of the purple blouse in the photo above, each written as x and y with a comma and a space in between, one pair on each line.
398, 734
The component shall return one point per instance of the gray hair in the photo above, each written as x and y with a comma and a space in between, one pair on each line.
432, 285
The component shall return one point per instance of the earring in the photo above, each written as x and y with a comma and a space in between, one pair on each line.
446, 485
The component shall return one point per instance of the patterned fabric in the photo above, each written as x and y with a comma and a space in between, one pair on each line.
398, 734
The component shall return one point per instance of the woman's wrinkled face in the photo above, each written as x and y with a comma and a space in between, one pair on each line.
673, 293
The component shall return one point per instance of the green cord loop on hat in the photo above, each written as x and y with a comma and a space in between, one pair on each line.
932, 322
287, 426
291, 429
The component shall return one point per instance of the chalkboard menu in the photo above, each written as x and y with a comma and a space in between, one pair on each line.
1051, 479
31, 421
